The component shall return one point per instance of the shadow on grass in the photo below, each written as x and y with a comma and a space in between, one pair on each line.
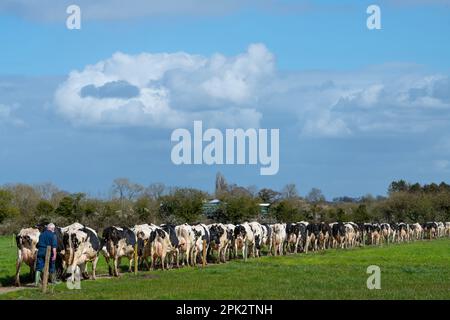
9, 281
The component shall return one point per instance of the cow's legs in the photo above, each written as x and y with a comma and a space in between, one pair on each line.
110, 269
116, 263
94, 268
84, 273
18, 264
245, 251
130, 264
163, 260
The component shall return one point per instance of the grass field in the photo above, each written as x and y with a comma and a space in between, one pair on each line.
419, 270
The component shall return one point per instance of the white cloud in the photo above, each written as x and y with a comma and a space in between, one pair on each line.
174, 89
7, 117
365, 102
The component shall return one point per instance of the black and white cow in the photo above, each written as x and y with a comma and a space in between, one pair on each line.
430, 229
447, 229
81, 246
325, 236
117, 243
267, 237
219, 240
201, 234
402, 232
160, 247
338, 234
292, 237
231, 247
26, 241
258, 234
143, 232
244, 239
385, 232
174, 253
312, 236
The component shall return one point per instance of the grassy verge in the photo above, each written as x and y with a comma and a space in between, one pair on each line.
418, 270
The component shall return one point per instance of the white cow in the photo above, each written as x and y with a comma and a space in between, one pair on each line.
26, 241
278, 238
186, 242
81, 246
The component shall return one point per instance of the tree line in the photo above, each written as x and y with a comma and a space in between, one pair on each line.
129, 203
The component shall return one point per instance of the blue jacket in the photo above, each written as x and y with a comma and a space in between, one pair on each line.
46, 238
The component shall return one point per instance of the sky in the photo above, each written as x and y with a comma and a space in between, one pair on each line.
356, 108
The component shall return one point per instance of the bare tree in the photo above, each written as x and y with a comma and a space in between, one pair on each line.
289, 191
155, 190
125, 189
315, 196
47, 190
221, 184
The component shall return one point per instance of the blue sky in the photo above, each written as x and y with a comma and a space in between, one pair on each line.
356, 108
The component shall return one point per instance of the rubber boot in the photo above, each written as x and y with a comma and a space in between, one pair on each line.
37, 278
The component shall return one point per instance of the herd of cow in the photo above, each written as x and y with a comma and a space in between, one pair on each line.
167, 245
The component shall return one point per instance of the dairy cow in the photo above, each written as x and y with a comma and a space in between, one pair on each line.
174, 249
312, 237
219, 240
186, 242
244, 239
160, 246
338, 234
292, 237
325, 236
415, 231
385, 232
230, 235
143, 233
278, 238
258, 234
402, 232
267, 237
26, 241
447, 229
80, 247
430, 229
201, 234
117, 243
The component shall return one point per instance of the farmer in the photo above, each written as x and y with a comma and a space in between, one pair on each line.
46, 238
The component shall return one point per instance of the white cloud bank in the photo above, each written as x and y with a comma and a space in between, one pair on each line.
168, 90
